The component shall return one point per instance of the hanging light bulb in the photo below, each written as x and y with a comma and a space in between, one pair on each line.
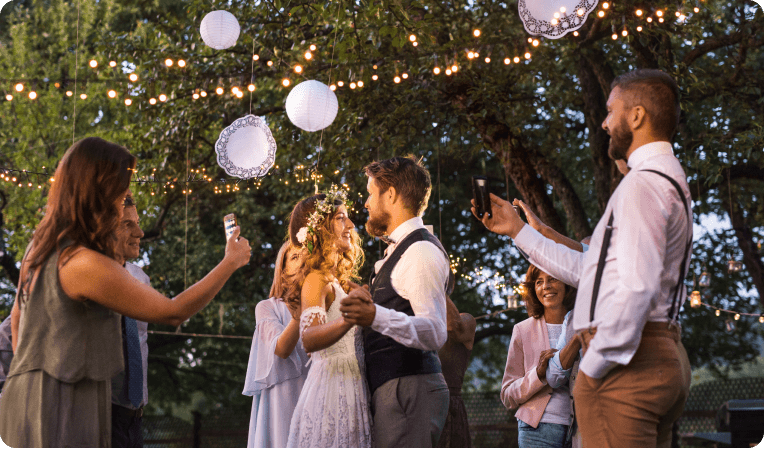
580, 12
659, 13
360, 84
195, 96
251, 88
575, 33
448, 72
527, 55
601, 14
69, 93
405, 76
454, 68
128, 102
308, 55
285, 82
507, 61
181, 63
639, 28
32, 95
605, 5
219, 91
761, 319
112, 63
269, 63
436, 70
718, 312
615, 36
152, 101
19, 87
234, 90
397, 79
696, 9
83, 96
695, 299
133, 77
374, 77
9, 97
415, 44
333, 87
734, 266
705, 279
255, 57
352, 85
737, 316
624, 33
536, 42
203, 94
487, 60
730, 325
162, 98
112, 94
516, 59
476, 33
168, 62
412, 38
340, 83
312, 47
93, 63
239, 94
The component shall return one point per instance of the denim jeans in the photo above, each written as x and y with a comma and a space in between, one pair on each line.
545, 435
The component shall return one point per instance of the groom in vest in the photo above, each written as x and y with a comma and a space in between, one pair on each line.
403, 313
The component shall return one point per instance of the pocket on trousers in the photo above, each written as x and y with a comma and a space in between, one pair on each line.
523, 425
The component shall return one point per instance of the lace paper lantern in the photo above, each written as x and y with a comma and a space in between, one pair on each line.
311, 106
554, 18
220, 30
246, 149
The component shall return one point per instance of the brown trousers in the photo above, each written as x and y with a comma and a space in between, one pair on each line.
636, 405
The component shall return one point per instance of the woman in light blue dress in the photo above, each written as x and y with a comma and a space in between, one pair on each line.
276, 371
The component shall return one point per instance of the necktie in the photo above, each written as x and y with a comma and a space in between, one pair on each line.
134, 368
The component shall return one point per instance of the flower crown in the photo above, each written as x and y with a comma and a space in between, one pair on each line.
307, 234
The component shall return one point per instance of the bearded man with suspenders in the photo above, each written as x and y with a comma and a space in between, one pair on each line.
634, 376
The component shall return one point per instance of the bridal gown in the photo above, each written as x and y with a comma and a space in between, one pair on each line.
333, 409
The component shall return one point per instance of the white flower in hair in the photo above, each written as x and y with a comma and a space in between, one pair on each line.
302, 235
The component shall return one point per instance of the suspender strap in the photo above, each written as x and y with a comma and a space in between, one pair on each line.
606, 243
683, 267
601, 265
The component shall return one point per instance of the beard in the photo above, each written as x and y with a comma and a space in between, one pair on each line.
376, 226
621, 138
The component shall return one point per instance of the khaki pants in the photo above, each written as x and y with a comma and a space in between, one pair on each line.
636, 405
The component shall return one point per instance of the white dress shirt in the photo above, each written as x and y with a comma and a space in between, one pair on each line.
420, 277
650, 234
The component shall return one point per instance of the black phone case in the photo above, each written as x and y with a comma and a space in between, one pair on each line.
482, 196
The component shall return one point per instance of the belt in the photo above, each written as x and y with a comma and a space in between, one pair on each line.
652, 328
125, 412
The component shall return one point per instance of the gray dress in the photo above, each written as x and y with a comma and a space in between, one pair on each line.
58, 392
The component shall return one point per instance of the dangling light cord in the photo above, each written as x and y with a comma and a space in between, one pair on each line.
326, 103
76, 63
252, 76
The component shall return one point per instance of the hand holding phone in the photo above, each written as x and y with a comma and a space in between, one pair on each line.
481, 194
229, 223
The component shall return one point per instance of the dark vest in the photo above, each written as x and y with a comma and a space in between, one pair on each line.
387, 359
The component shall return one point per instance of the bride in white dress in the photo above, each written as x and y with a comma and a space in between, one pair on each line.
333, 408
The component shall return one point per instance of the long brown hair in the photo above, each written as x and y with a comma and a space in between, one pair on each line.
532, 302
277, 288
325, 257
82, 201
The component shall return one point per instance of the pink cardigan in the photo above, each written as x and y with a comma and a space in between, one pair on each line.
521, 386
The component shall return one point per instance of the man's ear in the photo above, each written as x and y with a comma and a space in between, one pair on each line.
392, 195
637, 117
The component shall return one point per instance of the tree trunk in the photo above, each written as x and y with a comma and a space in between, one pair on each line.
751, 257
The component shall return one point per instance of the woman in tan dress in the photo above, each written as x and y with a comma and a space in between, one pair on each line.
66, 318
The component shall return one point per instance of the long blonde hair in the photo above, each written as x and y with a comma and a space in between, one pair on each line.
325, 257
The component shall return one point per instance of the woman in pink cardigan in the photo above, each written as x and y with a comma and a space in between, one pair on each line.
543, 415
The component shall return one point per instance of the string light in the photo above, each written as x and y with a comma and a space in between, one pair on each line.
575, 33
32, 95
649, 20
397, 79
181, 63
195, 96
412, 38
312, 47
697, 10
535, 42
19, 87
448, 71
112, 64
9, 97
93, 63
69, 93
269, 63
415, 44
507, 61
340, 83
168, 62
580, 12
219, 91
527, 55
454, 68
251, 88
352, 85
152, 101
255, 57
639, 28
374, 77
476, 33
203, 94
162, 98
234, 90
624, 33
83, 96
308, 55
405, 76
298, 68
128, 102
333, 87
516, 59
112, 94
605, 5
133, 77
487, 60
285, 82
360, 83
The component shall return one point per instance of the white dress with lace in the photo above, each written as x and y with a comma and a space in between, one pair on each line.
333, 409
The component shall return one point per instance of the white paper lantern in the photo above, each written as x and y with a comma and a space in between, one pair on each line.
246, 149
554, 18
220, 30
311, 106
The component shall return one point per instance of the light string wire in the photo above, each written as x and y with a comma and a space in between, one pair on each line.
326, 103
76, 64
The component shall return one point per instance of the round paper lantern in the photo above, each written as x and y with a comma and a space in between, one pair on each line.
246, 149
220, 30
554, 18
311, 106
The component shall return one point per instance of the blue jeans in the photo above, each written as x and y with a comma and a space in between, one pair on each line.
545, 435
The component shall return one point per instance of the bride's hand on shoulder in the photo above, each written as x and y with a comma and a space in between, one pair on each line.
295, 309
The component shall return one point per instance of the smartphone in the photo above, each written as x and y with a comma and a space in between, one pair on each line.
229, 223
482, 196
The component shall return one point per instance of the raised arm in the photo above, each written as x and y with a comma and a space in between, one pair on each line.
317, 334
110, 285
545, 230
